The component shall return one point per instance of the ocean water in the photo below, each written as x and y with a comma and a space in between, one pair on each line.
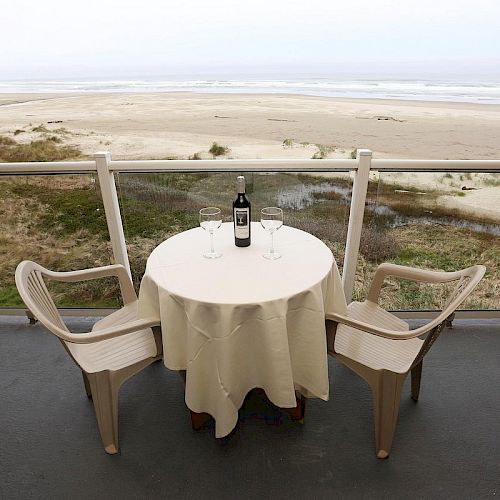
420, 90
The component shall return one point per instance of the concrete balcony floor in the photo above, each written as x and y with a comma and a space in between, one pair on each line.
446, 446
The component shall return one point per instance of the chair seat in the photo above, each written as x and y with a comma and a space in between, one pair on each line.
118, 352
376, 352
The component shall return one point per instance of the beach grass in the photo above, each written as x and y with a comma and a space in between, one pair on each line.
44, 149
493, 180
322, 151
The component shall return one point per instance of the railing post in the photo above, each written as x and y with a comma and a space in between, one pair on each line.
356, 214
112, 208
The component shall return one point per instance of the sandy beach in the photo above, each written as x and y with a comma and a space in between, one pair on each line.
180, 124
168, 125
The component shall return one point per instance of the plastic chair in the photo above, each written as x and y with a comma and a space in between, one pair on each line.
380, 348
119, 345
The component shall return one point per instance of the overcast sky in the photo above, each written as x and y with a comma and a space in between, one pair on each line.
128, 38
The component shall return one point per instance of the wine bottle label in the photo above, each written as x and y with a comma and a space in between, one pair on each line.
242, 223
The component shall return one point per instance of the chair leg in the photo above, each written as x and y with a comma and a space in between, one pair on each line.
416, 375
88, 389
105, 398
449, 320
158, 341
386, 398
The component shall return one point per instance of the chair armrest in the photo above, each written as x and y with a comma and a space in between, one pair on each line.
106, 333
126, 286
409, 273
383, 332
467, 281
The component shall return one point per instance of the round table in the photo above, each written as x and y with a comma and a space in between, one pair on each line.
241, 321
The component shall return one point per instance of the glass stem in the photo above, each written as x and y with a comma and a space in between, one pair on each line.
271, 251
212, 242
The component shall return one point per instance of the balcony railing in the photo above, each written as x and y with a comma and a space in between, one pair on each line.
359, 169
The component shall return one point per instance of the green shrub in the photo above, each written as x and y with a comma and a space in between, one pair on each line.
218, 150
288, 143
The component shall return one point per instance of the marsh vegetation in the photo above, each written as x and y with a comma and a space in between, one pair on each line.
60, 222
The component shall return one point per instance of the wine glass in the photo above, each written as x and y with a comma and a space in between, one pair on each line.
271, 219
210, 220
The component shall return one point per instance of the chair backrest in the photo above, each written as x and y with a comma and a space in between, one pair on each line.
34, 292
468, 279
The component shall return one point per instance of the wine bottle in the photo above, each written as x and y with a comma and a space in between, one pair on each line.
241, 215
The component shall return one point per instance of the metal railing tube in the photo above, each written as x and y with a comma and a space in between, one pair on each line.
47, 168
273, 165
356, 214
112, 209
436, 165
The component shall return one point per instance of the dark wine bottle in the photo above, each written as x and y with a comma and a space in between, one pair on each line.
241, 216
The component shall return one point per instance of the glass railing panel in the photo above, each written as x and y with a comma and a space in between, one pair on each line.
59, 222
158, 205
440, 221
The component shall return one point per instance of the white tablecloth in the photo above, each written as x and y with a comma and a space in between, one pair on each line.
241, 321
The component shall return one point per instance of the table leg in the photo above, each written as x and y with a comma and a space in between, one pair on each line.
182, 374
198, 420
298, 412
